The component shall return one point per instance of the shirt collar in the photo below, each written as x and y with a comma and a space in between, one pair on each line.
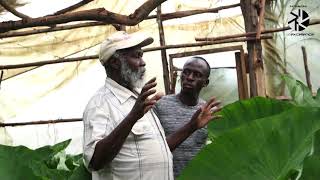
121, 93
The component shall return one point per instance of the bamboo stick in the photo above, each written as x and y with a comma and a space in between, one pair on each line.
306, 68
40, 122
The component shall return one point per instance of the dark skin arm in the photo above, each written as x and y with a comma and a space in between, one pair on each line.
199, 120
107, 148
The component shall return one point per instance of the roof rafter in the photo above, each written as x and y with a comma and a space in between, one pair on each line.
99, 14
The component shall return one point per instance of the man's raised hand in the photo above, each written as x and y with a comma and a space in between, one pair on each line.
206, 113
144, 103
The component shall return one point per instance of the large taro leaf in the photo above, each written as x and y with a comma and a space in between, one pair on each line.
270, 148
300, 93
311, 167
19, 162
243, 112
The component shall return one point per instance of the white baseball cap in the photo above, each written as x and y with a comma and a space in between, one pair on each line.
121, 40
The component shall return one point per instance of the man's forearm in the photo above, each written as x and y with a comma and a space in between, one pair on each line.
176, 138
107, 148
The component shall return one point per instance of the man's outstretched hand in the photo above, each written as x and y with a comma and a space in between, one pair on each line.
144, 103
206, 113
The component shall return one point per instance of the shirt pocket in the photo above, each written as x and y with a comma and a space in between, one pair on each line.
142, 127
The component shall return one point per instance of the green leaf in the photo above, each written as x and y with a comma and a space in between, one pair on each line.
19, 162
269, 148
311, 168
300, 93
243, 112
42, 171
318, 96
80, 173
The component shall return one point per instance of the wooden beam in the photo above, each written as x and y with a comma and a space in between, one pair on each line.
261, 18
166, 16
306, 68
53, 29
40, 122
205, 51
41, 63
180, 14
99, 14
73, 7
64, 60
165, 70
6, 6
206, 43
252, 34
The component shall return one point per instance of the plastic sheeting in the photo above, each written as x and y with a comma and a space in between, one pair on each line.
62, 90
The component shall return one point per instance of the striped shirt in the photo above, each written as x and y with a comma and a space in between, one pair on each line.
144, 155
173, 114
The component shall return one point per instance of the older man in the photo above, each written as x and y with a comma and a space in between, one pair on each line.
123, 138
176, 110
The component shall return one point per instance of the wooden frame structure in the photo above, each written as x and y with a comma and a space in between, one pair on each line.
253, 15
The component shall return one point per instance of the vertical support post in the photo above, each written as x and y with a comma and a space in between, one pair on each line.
163, 52
306, 68
242, 90
256, 74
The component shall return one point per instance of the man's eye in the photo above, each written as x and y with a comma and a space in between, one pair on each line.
198, 75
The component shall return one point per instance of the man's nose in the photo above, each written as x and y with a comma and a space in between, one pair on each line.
142, 63
190, 76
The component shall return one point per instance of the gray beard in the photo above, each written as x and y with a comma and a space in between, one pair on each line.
133, 78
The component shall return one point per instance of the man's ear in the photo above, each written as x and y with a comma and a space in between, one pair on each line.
206, 83
115, 63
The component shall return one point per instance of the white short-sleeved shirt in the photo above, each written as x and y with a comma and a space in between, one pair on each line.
144, 155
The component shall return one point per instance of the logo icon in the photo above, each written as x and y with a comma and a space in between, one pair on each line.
298, 20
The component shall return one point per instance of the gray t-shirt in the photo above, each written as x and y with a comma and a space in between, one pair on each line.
173, 115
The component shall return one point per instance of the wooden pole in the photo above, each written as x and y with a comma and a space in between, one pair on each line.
63, 60
73, 7
40, 122
163, 52
166, 16
1, 78
256, 74
41, 63
53, 29
206, 43
313, 22
6, 6
99, 14
181, 14
241, 77
306, 68
261, 18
